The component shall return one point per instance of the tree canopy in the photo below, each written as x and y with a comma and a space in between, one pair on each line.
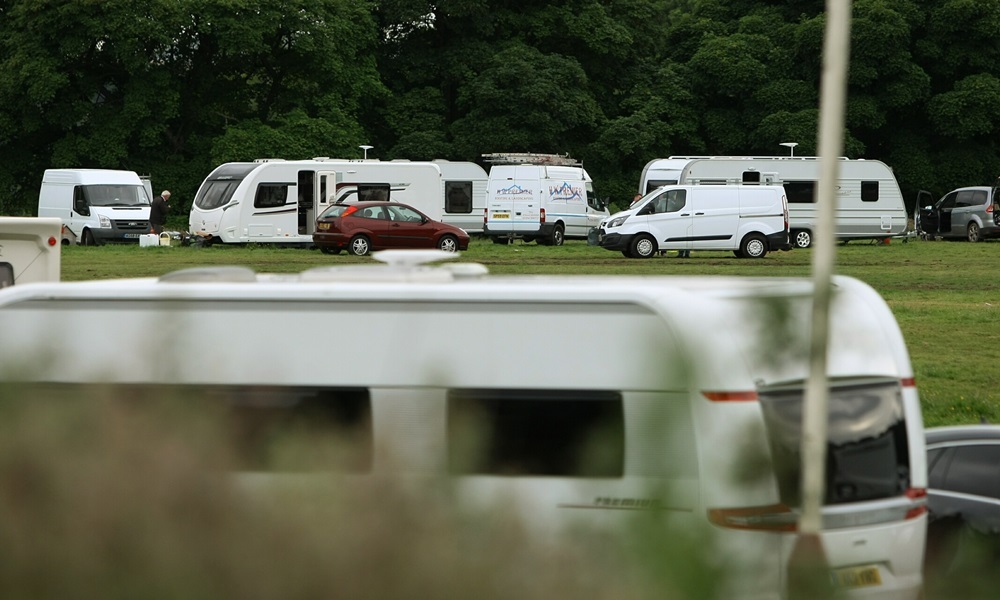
172, 88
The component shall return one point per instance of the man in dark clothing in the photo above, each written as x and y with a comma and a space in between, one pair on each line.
158, 212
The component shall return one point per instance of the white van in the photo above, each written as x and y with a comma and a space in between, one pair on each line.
869, 201
278, 201
97, 205
750, 220
684, 412
30, 249
543, 202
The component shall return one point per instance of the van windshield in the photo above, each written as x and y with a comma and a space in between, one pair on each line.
116, 195
867, 451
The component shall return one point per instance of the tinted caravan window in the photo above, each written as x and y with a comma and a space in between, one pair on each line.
867, 455
800, 192
536, 432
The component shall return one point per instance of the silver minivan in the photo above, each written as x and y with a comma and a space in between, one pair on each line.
972, 213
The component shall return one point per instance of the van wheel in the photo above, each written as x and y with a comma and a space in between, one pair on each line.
803, 238
557, 236
642, 246
626, 253
738, 254
754, 246
359, 246
448, 243
973, 233
88, 238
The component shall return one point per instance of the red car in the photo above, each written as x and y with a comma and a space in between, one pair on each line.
361, 227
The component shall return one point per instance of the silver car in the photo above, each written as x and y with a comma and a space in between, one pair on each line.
972, 213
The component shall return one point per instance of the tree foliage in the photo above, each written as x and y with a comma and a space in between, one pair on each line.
172, 88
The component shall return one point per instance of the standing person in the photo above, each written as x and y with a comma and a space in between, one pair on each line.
158, 212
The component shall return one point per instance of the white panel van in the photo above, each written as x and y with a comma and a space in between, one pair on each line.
682, 414
97, 205
749, 220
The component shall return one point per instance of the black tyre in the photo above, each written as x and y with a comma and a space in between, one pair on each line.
642, 246
754, 245
802, 238
359, 246
448, 243
557, 238
88, 238
738, 254
973, 234
626, 253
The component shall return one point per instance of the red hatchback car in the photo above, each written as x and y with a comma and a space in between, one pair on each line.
361, 227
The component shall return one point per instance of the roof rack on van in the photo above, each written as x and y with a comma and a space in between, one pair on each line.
529, 158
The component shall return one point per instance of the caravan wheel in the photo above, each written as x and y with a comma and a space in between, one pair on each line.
803, 238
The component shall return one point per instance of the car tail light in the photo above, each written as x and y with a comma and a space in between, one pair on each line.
774, 517
745, 396
918, 495
541, 215
989, 209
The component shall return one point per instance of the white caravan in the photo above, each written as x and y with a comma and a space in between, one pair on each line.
30, 249
683, 414
749, 220
277, 201
97, 205
545, 197
869, 201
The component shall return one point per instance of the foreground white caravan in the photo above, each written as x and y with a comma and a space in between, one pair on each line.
97, 205
277, 201
869, 201
683, 414
543, 197
30, 249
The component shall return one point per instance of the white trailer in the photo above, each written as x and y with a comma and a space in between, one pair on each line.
683, 413
869, 201
97, 205
277, 201
30, 249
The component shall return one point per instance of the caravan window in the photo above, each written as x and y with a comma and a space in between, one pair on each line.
869, 191
458, 197
800, 192
271, 195
216, 194
564, 433
377, 192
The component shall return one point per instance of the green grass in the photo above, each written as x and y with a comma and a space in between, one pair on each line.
945, 295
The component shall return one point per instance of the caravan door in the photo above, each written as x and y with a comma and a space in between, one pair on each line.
326, 187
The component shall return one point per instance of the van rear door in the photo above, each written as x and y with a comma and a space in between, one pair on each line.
514, 200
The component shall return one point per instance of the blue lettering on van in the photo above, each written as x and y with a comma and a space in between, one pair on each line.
514, 190
566, 192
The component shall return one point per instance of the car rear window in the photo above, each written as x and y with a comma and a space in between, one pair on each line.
334, 211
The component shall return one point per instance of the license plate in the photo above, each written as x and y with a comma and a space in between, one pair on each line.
131, 235
501, 216
855, 577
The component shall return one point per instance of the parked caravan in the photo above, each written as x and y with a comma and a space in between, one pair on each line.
685, 414
869, 201
278, 201
30, 249
660, 172
464, 194
749, 220
97, 205
542, 197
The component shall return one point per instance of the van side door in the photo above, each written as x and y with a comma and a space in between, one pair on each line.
715, 216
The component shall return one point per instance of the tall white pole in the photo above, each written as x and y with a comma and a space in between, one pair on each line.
833, 93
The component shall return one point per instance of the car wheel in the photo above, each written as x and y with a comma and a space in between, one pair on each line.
803, 238
754, 246
448, 243
88, 238
360, 245
642, 246
974, 233
330, 250
557, 236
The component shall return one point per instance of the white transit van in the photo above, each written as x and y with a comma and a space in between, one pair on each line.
543, 197
869, 201
278, 201
749, 220
30, 250
97, 205
684, 412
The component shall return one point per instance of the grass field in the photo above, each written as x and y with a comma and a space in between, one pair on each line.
945, 295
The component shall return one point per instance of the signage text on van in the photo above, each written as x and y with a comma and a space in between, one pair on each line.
565, 192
